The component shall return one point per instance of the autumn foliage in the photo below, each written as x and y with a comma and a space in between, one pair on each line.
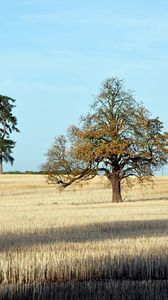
117, 138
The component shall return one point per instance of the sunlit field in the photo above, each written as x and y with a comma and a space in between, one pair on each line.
78, 245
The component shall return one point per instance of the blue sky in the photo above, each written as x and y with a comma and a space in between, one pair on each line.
55, 54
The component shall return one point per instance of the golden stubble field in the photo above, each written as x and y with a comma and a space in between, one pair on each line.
78, 245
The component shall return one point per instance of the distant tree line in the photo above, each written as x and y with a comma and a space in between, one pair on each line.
25, 172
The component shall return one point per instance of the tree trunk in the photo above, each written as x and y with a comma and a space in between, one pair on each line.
1, 165
116, 187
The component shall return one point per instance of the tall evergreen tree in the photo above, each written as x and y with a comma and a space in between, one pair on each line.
8, 124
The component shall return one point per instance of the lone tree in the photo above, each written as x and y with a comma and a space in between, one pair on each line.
117, 138
8, 124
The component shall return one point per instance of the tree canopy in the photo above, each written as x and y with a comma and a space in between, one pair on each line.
118, 138
8, 124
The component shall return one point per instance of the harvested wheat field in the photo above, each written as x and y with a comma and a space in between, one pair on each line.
78, 245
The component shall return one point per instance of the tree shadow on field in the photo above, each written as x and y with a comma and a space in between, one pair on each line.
85, 233
90, 290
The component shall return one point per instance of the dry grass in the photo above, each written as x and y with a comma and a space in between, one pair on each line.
64, 245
